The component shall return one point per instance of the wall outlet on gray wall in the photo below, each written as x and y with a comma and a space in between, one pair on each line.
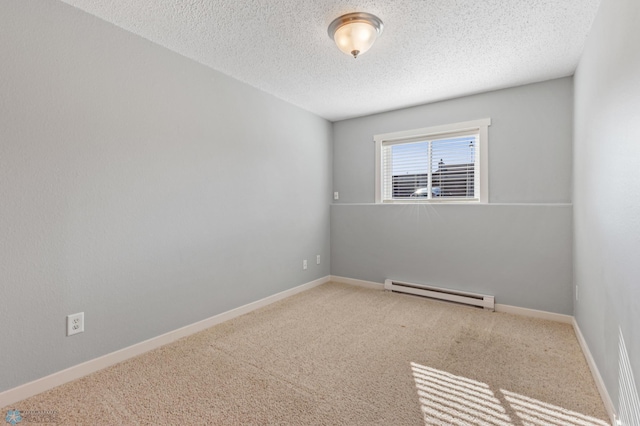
75, 323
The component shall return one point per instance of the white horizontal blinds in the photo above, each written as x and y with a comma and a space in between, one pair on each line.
405, 170
442, 168
387, 172
453, 166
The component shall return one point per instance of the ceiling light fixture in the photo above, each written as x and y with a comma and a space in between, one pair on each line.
355, 33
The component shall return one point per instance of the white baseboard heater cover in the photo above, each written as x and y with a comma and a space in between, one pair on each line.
473, 299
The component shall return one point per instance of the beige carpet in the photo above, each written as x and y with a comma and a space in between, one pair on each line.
343, 355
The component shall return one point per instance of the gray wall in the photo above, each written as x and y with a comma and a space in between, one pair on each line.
140, 187
607, 190
518, 247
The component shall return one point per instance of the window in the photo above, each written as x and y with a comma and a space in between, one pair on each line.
434, 164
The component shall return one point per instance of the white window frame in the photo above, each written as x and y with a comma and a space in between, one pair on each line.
481, 177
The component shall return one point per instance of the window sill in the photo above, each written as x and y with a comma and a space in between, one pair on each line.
459, 201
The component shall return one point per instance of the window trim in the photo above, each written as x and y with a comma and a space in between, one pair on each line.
481, 126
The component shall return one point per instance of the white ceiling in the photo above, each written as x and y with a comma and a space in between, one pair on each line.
430, 49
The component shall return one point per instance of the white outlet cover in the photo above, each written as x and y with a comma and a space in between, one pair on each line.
304, 264
75, 323
317, 259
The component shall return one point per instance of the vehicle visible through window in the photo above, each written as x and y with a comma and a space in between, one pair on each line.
423, 192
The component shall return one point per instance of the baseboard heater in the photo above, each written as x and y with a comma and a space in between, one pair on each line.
481, 300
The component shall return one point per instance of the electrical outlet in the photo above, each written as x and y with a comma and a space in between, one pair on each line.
75, 324
336, 196
576, 292
317, 259
304, 264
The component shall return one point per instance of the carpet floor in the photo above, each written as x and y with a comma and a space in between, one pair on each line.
345, 355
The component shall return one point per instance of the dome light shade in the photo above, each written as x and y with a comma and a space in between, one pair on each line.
355, 33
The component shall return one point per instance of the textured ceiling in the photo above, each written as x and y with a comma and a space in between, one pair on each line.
429, 50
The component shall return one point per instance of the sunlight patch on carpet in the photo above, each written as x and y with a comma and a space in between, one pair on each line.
536, 412
447, 399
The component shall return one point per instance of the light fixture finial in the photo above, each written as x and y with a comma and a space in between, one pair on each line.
355, 33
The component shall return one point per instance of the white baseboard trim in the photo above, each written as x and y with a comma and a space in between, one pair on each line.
604, 394
533, 313
516, 310
35, 387
359, 283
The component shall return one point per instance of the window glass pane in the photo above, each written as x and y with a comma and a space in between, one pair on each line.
452, 167
410, 170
